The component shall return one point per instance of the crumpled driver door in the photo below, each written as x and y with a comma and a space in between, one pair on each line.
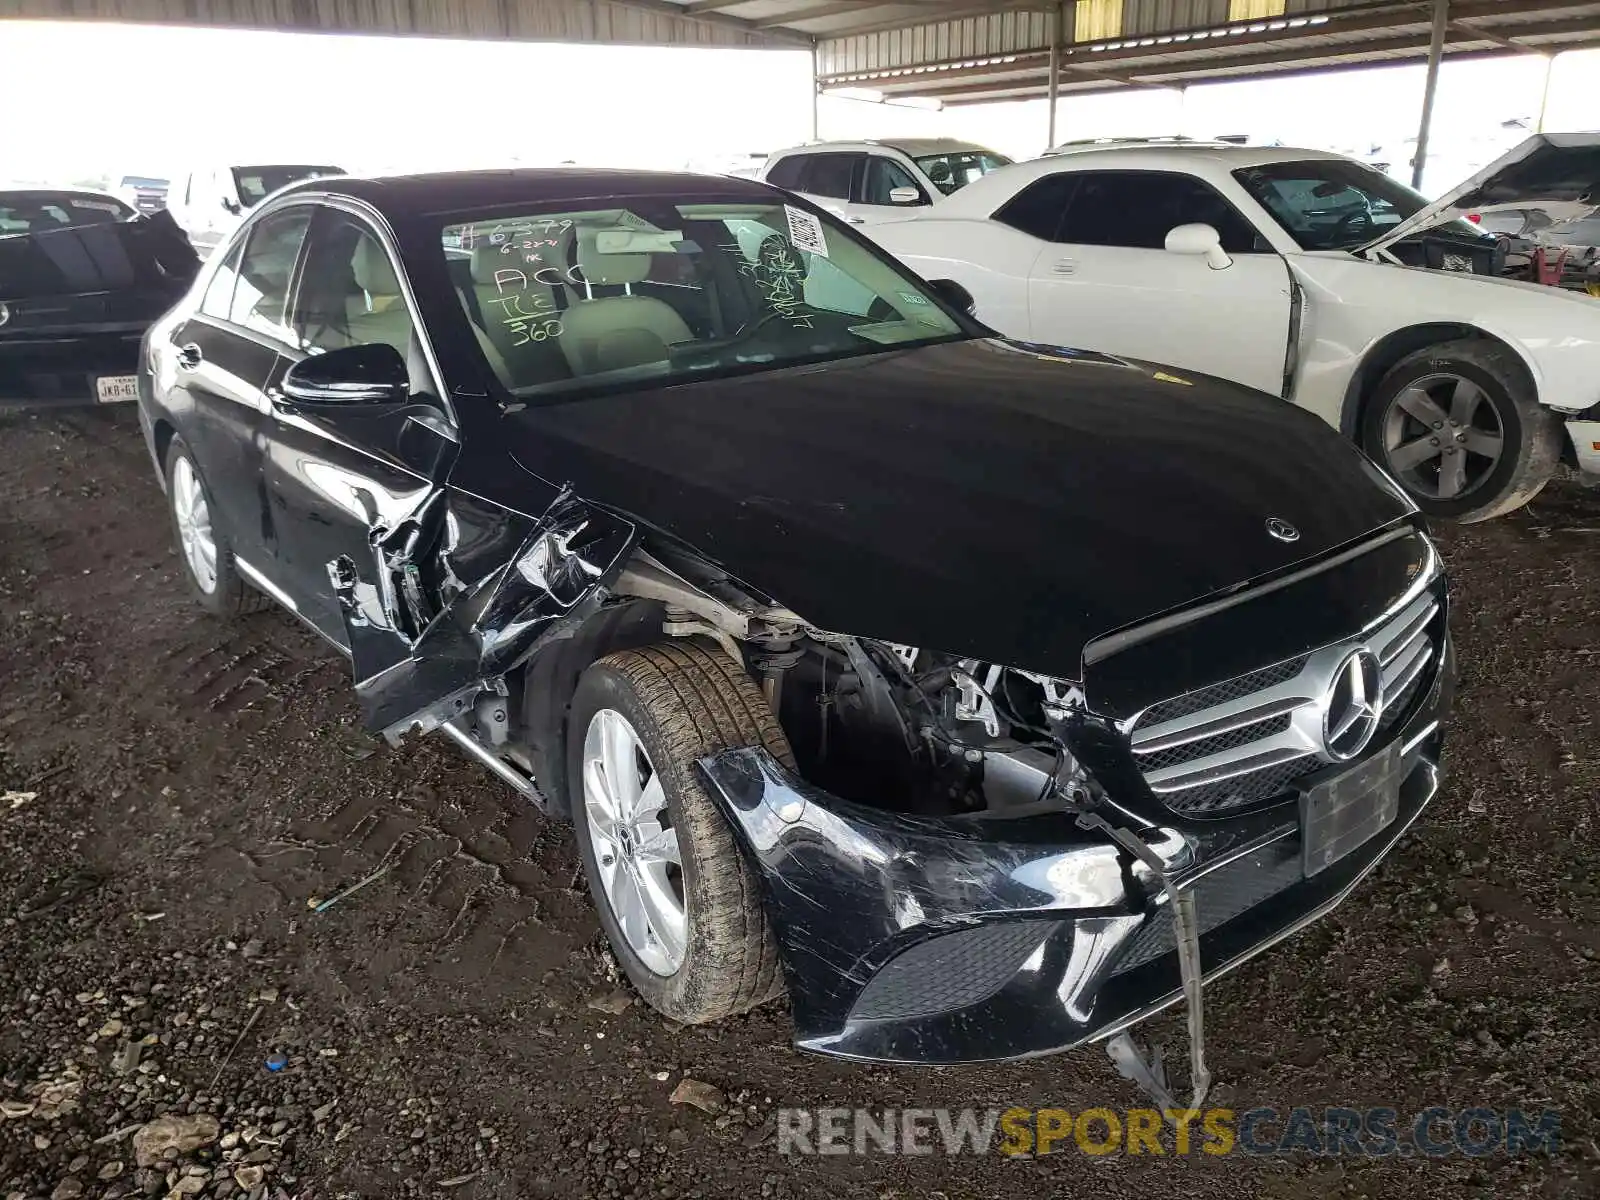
424, 644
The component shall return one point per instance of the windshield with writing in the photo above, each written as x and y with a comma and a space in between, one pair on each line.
1330, 204
656, 292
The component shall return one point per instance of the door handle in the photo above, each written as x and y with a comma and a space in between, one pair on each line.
189, 356
1065, 266
856, 220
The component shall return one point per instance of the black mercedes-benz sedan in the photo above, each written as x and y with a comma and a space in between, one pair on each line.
985, 696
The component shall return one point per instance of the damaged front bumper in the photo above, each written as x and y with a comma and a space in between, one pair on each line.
950, 940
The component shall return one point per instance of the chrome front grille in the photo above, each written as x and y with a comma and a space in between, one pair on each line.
1247, 739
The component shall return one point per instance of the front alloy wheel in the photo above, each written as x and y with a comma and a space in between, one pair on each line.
635, 844
676, 898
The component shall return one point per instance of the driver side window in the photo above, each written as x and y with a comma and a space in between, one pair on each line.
349, 292
1137, 209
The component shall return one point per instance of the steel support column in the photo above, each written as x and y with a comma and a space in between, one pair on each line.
1441, 22
1054, 91
1544, 92
816, 97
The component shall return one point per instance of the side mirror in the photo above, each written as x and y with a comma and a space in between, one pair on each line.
904, 195
370, 374
232, 206
1203, 240
953, 294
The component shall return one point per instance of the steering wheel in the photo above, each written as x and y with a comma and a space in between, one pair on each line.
1362, 214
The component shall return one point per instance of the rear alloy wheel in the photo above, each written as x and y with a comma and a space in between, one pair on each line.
676, 898
203, 547
1459, 426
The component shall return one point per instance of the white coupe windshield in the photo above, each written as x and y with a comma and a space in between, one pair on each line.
1330, 204
658, 292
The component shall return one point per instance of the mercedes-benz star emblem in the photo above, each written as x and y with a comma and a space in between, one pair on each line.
1282, 530
5, 314
1353, 705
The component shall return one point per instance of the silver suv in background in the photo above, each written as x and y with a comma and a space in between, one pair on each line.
864, 182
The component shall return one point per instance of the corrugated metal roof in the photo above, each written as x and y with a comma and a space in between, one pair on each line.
963, 51
643, 22
1310, 35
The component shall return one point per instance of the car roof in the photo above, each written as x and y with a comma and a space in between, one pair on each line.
435, 194
47, 189
982, 196
911, 147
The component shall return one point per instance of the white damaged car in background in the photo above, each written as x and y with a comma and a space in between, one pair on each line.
1308, 275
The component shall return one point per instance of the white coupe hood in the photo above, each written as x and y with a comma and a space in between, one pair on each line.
1556, 172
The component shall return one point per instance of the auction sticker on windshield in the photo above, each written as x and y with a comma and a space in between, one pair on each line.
113, 389
805, 231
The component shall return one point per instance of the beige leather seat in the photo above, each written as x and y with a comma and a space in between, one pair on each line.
610, 333
380, 314
513, 305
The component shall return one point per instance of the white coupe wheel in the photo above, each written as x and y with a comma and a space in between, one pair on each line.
1460, 426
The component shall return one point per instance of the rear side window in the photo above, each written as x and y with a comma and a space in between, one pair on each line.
1137, 209
786, 172
218, 300
829, 175
261, 293
1039, 208
39, 212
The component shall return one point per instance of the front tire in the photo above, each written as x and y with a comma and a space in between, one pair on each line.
675, 897
1460, 426
204, 551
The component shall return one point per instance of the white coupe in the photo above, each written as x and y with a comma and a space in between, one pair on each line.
1307, 275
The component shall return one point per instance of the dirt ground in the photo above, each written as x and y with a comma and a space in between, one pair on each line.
448, 1029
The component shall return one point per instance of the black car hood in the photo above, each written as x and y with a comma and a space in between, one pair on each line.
131, 270
986, 498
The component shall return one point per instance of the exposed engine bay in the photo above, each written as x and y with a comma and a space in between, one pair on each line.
884, 724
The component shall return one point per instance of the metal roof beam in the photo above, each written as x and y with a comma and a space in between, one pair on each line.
664, 8
1498, 39
819, 12
697, 8
1199, 66
999, 64
934, 16
1293, 26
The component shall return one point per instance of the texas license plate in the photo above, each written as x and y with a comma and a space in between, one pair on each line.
1339, 814
113, 389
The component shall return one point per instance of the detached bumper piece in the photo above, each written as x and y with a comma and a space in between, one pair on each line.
952, 940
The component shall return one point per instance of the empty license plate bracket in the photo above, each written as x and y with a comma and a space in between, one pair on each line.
1341, 813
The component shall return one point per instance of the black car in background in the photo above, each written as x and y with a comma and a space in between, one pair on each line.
983, 694
82, 276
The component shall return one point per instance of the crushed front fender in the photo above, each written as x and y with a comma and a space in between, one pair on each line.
417, 681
